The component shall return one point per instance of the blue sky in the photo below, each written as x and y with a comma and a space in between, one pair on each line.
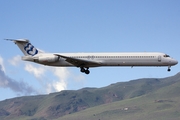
84, 26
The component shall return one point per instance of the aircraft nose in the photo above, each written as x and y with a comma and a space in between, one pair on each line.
174, 62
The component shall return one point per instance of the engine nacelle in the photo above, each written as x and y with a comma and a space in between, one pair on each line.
48, 59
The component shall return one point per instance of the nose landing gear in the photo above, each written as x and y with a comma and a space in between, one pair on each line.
169, 68
83, 70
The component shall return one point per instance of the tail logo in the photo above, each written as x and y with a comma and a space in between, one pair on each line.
30, 49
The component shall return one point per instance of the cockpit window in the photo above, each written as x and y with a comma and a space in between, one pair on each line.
166, 55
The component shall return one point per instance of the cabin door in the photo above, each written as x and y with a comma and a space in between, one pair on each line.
159, 58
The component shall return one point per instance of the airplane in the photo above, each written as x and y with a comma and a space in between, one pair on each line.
86, 60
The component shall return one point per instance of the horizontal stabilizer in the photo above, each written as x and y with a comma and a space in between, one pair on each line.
18, 40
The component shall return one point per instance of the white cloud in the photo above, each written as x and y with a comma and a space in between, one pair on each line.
38, 72
56, 86
59, 81
60, 85
57, 75
62, 74
15, 61
49, 88
51, 79
2, 64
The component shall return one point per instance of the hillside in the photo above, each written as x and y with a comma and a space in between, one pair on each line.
161, 104
142, 98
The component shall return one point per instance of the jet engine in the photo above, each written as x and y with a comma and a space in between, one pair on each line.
48, 59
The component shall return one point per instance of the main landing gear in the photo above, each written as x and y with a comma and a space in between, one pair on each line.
83, 70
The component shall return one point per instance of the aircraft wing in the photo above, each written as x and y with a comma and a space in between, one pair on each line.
79, 62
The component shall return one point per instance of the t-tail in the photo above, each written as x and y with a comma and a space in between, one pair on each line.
25, 46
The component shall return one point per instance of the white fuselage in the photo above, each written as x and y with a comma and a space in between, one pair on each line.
86, 60
111, 59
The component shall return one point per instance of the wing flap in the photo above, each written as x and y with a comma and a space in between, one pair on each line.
79, 62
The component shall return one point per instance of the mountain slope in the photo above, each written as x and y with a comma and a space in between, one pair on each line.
162, 104
153, 106
54, 106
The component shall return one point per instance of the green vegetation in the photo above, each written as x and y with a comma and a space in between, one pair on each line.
152, 106
152, 99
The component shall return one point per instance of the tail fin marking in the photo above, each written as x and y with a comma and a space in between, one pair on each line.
30, 49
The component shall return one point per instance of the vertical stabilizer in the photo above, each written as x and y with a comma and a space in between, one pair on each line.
25, 46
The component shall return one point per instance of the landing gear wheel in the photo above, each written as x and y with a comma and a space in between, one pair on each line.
83, 70
87, 71
169, 68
